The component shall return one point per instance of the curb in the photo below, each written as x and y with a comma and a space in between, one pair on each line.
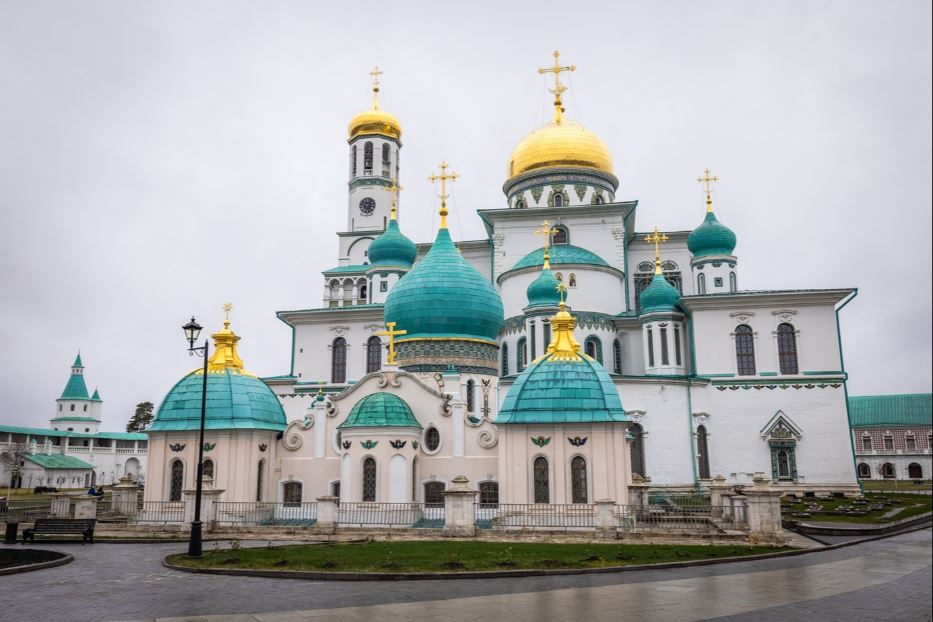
502, 574
64, 559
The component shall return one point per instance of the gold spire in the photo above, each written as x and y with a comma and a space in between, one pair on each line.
443, 177
656, 238
374, 121
394, 189
547, 231
375, 73
391, 333
225, 342
707, 180
559, 88
563, 346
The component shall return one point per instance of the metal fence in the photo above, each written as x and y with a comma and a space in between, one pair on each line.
366, 514
677, 500
159, 512
265, 513
13, 513
535, 516
663, 517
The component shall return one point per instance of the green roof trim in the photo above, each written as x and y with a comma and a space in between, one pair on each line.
891, 410
120, 436
380, 410
561, 254
58, 461
352, 268
76, 419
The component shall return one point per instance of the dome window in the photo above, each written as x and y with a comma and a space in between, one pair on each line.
432, 439
561, 235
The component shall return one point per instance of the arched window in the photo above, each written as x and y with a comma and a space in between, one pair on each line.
291, 492
783, 464
338, 361
745, 350
505, 359
638, 449
521, 356
489, 494
85, 408
558, 199
369, 479
373, 354
368, 158
542, 480
701, 284
787, 348
572, 280
364, 293
887, 470
177, 470
386, 165
432, 439
521, 203
702, 453
616, 357
260, 479
733, 285
546, 329
598, 199
561, 235
593, 348
207, 469
353, 162
72, 408
470, 396
864, 471
578, 492
434, 494
914, 471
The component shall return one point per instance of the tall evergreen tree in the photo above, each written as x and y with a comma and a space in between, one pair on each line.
141, 418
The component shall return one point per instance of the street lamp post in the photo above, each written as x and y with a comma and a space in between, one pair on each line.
192, 330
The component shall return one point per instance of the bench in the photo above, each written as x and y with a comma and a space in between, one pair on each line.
56, 526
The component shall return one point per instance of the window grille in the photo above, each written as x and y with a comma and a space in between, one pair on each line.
542, 487
665, 356
578, 490
787, 348
638, 449
177, 481
432, 439
368, 158
369, 479
702, 453
373, 354
505, 359
338, 364
434, 494
617, 357
745, 350
260, 476
650, 348
291, 492
489, 494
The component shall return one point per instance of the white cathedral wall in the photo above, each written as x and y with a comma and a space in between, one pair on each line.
313, 346
596, 290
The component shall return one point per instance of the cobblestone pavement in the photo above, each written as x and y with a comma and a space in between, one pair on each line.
886, 579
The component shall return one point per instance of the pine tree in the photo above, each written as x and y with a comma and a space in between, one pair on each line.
141, 418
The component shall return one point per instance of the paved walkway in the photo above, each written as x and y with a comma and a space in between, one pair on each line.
886, 579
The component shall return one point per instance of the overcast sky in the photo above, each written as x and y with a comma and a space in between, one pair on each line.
158, 159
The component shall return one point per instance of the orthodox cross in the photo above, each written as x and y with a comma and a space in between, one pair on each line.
562, 291
391, 333
375, 73
443, 177
228, 307
394, 189
559, 88
547, 231
657, 239
706, 180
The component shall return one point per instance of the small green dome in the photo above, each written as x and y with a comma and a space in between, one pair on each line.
392, 248
711, 238
659, 296
543, 290
444, 296
380, 410
561, 254
235, 401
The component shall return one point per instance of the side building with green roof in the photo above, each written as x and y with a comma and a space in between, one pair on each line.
892, 436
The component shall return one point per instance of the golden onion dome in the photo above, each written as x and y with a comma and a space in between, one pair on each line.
375, 121
560, 144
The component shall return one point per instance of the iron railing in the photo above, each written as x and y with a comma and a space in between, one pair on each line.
662, 517
160, 512
13, 513
535, 516
367, 514
266, 513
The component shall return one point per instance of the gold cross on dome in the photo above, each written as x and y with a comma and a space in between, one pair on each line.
228, 307
547, 231
375, 73
706, 180
443, 177
391, 333
559, 88
561, 291
657, 238
394, 189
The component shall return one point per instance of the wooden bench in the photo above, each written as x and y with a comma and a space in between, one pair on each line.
83, 526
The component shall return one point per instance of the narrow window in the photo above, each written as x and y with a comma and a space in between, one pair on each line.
72, 408
369, 479
291, 492
558, 199
432, 439
701, 284
864, 471
866, 443
542, 484
534, 333
434, 494
521, 355
383, 286
638, 449
787, 348
353, 162
783, 464
207, 470
578, 480
677, 355
505, 359
733, 286
665, 356
260, 477
368, 158
489, 494
617, 357
338, 361
546, 327
745, 350
178, 477
470, 396
650, 348
85, 408
593, 348
364, 294
561, 235
373, 354
911, 443
889, 443
386, 165
702, 453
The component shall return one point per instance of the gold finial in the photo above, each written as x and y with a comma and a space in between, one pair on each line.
391, 333
443, 177
559, 88
225, 343
547, 231
564, 346
657, 239
375, 73
562, 292
707, 180
228, 307
394, 189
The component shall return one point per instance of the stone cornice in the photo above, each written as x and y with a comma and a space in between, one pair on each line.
768, 298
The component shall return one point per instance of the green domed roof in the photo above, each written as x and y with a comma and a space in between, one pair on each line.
235, 401
542, 292
444, 296
392, 248
711, 238
659, 296
560, 255
380, 410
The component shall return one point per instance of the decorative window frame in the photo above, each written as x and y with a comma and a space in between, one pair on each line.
531, 478
424, 440
784, 316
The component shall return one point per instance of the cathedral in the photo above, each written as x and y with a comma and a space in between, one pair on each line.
567, 354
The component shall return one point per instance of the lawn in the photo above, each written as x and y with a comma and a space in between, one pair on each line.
24, 496
876, 508
454, 556
895, 484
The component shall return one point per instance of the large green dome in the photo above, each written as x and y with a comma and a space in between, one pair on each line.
392, 248
711, 238
561, 254
445, 297
659, 296
542, 292
380, 410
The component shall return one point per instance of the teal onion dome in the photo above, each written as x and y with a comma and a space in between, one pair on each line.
445, 297
380, 410
659, 296
542, 292
563, 254
392, 248
711, 238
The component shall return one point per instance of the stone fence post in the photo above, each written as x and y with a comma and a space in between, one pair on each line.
459, 513
718, 492
326, 514
61, 506
605, 519
764, 511
124, 496
86, 507
638, 491
209, 497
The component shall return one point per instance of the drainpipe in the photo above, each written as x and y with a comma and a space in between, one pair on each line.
690, 377
845, 384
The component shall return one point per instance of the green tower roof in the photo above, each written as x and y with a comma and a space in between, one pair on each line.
659, 296
711, 238
444, 296
96, 396
75, 389
77, 362
561, 254
392, 248
380, 410
542, 292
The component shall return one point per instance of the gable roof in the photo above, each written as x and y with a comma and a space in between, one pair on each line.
891, 410
58, 461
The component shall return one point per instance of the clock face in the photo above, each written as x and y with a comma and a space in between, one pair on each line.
367, 206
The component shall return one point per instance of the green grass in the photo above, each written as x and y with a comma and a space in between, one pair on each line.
26, 497
451, 556
894, 484
910, 505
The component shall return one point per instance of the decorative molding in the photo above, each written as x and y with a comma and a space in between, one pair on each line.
176, 447
368, 444
636, 416
540, 441
577, 441
488, 438
209, 446
263, 447
397, 443
414, 444
346, 444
